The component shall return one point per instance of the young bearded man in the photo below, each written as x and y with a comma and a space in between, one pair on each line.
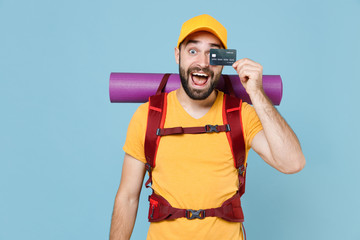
196, 171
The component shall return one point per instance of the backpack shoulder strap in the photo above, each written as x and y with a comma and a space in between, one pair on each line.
232, 116
155, 121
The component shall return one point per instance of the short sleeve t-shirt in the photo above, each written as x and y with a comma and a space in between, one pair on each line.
193, 171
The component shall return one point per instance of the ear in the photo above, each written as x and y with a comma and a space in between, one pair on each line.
177, 55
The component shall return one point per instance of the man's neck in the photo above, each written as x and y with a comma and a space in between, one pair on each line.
195, 108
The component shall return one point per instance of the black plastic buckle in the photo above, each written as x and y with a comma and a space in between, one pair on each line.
148, 167
228, 129
241, 169
211, 128
200, 214
158, 133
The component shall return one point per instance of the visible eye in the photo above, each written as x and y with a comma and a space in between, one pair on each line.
192, 51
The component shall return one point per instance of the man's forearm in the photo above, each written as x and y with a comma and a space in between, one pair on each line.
123, 218
284, 145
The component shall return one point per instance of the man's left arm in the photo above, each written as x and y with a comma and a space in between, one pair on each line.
277, 143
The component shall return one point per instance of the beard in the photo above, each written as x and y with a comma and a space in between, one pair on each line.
198, 94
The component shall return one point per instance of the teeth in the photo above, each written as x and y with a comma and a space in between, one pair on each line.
200, 74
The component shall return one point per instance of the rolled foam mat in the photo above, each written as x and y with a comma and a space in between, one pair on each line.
138, 87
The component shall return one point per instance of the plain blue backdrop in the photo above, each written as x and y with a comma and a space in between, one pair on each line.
61, 139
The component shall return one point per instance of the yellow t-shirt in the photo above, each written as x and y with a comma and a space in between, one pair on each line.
193, 171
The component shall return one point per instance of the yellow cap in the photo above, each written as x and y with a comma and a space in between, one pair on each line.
203, 23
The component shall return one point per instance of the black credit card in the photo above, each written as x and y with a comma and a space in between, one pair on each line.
222, 56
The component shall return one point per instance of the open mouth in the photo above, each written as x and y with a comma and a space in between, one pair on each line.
199, 79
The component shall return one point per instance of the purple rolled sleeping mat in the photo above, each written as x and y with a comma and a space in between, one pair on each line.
138, 87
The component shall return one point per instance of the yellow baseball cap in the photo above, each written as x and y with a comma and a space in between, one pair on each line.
206, 23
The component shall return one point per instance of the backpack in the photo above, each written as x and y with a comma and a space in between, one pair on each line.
160, 209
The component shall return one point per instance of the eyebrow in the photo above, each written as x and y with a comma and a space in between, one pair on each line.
191, 41
215, 45
195, 42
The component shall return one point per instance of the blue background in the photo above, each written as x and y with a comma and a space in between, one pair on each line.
61, 139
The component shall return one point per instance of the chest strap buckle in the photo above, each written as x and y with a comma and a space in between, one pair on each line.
191, 214
211, 128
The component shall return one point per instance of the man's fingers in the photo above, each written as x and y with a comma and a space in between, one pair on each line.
245, 62
246, 74
248, 67
239, 62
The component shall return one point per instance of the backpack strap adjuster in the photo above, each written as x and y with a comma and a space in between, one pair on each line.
148, 167
211, 128
241, 169
192, 214
158, 132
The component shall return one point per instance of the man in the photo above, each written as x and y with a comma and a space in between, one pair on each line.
196, 171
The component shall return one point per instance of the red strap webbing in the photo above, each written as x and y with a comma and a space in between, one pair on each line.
192, 130
160, 209
156, 119
156, 115
228, 85
162, 84
232, 116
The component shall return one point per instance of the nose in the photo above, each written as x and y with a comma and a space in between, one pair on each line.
204, 60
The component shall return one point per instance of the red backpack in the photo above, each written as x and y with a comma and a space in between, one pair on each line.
160, 209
